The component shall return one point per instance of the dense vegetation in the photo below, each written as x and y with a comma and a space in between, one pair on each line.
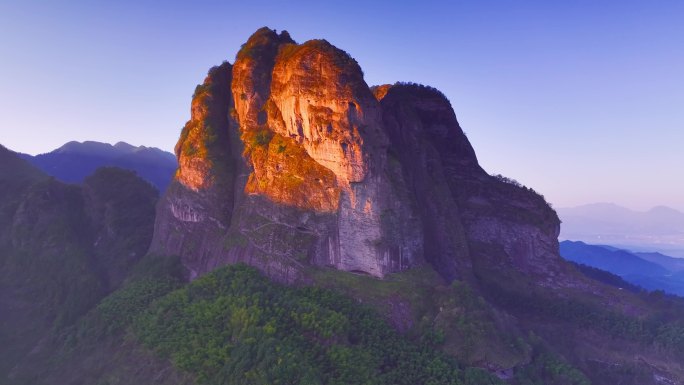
663, 329
547, 368
121, 209
63, 248
234, 326
49, 255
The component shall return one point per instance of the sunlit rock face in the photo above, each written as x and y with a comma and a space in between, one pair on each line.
290, 160
321, 104
305, 156
326, 107
279, 168
204, 144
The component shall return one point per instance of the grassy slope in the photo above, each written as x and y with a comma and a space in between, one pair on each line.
419, 301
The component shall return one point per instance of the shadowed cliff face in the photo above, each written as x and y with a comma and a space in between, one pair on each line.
291, 160
431, 146
471, 219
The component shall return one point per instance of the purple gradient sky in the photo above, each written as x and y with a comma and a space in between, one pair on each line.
581, 100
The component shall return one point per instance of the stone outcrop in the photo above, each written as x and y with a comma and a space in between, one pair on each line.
291, 160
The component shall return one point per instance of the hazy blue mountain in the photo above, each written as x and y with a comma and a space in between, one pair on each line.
658, 229
670, 263
620, 262
74, 161
651, 271
671, 284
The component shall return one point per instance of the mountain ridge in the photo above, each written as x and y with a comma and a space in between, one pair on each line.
74, 161
651, 271
620, 262
63, 248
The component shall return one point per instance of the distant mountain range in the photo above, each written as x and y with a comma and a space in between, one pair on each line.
672, 264
658, 229
74, 161
652, 271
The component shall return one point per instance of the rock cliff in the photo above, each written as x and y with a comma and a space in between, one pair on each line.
291, 160
311, 181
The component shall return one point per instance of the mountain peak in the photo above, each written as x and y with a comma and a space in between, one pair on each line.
291, 159
264, 39
73, 161
126, 147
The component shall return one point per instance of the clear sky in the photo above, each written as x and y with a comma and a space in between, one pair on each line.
581, 100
